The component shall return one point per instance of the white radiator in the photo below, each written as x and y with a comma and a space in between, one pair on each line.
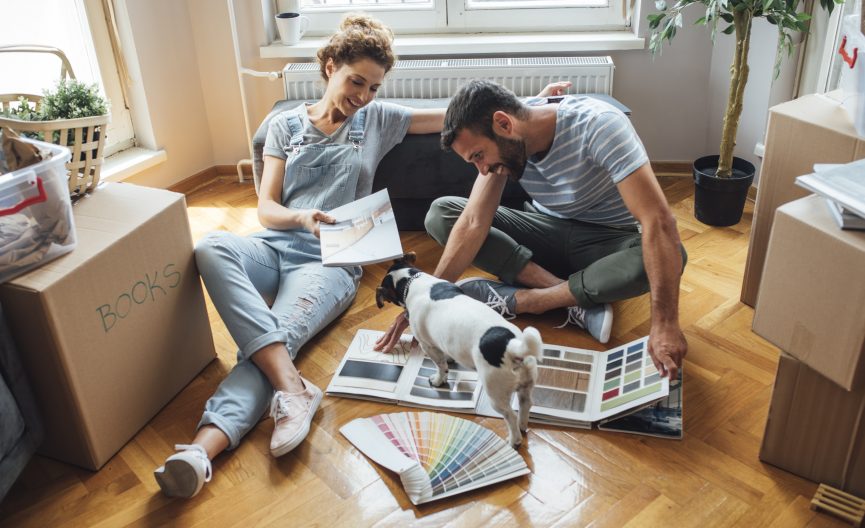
434, 78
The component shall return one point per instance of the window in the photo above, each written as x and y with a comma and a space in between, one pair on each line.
475, 16
78, 28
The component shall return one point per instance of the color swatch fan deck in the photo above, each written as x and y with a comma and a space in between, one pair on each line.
435, 455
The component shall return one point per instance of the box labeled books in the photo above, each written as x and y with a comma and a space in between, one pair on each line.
575, 387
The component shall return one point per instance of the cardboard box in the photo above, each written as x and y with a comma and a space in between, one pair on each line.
812, 297
811, 129
111, 332
816, 429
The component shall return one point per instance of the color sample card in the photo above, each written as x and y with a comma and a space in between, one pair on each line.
563, 380
629, 375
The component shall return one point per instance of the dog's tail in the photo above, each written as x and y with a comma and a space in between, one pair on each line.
526, 351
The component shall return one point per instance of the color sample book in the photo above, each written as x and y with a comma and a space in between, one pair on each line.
588, 386
435, 455
401, 376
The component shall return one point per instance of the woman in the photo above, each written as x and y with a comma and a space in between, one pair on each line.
270, 288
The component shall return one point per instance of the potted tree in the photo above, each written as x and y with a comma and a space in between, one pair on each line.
721, 182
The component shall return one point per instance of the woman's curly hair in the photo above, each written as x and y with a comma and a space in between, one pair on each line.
359, 37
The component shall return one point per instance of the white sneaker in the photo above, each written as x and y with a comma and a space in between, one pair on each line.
292, 416
185, 472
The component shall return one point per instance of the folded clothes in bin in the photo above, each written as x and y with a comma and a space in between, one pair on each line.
36, 223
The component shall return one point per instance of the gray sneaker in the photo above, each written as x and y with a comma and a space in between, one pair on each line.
597, 321
497, 295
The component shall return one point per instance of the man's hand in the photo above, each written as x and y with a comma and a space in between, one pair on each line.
554, 89
390, 338
668, 347
311, 220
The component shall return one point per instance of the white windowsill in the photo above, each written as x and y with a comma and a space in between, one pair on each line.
125, 163
483, 44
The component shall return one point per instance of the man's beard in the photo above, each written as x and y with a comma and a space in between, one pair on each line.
513, 155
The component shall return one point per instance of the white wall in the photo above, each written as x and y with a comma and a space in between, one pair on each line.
189, 75
668, 94
170, 81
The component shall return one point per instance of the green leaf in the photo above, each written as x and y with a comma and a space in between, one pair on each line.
701, 20
728, 30
727, 17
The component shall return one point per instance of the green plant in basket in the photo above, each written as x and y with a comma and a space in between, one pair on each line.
72, 99
25, 111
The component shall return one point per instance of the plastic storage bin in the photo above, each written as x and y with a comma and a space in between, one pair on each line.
36, 223
852, 50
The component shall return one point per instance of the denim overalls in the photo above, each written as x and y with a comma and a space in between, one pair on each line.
271, 287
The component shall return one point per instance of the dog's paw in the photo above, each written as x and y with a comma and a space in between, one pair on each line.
516, 443
437, 380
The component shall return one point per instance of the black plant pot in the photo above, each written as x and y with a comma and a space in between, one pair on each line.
720, 201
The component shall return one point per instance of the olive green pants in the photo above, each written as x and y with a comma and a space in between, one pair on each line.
602, 264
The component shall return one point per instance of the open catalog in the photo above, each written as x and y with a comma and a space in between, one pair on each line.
365, 232
575, 387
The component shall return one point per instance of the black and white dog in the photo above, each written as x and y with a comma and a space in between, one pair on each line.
449, 323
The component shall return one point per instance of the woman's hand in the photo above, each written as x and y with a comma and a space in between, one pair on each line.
388, 341
311, 219
554, 89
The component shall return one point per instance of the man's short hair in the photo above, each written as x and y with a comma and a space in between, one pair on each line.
473, 106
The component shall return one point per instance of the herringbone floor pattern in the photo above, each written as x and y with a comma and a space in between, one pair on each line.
711, 478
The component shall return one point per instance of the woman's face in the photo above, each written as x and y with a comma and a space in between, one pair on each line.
352, 86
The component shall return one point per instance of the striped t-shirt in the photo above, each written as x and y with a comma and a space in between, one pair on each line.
594, 148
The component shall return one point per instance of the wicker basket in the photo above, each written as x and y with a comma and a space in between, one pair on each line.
87, 133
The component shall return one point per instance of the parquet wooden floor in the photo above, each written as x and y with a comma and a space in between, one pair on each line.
710, 478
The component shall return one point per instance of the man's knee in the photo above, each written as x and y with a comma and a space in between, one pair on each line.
442, 215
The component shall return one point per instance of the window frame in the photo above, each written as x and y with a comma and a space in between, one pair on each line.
121, 129
456, 17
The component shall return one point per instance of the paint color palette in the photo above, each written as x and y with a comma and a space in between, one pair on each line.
626, 378
587, 386
435, 455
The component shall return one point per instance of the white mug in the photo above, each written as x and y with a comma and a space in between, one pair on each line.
291, 27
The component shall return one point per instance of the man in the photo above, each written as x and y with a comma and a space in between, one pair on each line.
598, 216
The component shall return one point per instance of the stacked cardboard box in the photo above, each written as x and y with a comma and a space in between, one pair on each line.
811, 129
111, 332
812, 305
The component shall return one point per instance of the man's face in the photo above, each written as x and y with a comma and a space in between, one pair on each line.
501, 156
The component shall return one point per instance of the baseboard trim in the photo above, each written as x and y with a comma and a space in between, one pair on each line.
208, 175
673, 168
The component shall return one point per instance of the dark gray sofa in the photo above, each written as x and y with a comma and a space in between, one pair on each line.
416, 171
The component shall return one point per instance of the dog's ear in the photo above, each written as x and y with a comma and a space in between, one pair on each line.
379, 297
410, 257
